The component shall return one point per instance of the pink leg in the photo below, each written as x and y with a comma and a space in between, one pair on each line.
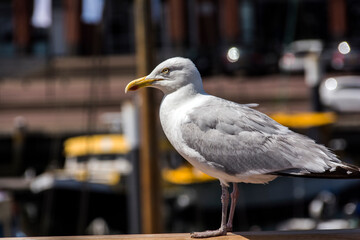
222, 230
234, 197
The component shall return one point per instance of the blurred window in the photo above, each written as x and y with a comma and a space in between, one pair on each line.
6, 30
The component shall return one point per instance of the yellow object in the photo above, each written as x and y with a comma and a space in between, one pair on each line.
304, 120
96, 144
114, 178
185, 175
81, 175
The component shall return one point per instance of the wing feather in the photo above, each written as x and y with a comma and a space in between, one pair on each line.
241, 140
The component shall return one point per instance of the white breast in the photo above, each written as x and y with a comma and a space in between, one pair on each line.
173, 113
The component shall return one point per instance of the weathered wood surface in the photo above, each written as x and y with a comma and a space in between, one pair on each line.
286, 235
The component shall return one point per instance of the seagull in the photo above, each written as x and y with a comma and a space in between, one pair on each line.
229, 141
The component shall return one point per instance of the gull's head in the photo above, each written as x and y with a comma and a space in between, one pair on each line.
169, 76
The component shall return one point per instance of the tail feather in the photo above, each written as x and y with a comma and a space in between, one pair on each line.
342, 171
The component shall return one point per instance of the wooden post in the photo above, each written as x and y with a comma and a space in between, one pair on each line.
21, 21
177, 23
72, 23
337, 18
149, 167
229, 21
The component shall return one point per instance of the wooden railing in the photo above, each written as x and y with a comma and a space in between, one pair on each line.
285, 235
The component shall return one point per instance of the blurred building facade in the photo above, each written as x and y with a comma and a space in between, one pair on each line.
178, 25
258, 28
64, 63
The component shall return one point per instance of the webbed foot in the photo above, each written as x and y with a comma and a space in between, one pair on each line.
211, 233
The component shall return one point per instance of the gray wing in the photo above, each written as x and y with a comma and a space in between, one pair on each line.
240, 140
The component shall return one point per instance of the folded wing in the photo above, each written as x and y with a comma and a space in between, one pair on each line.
241, 141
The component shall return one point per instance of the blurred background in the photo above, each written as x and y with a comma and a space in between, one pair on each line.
69, 136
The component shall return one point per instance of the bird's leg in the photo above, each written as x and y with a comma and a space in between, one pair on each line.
234, 197
222, 230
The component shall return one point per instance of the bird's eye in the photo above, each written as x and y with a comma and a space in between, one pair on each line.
165, 71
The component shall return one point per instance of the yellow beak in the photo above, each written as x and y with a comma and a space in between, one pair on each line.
139, 83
